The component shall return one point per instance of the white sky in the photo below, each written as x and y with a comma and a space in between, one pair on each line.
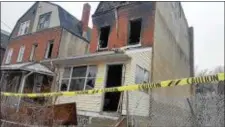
206, 17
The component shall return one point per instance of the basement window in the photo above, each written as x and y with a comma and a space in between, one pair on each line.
104, 35
135, 31
49, 49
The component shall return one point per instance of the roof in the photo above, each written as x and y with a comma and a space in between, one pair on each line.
5, 32
29, 66
106, 56
71, 23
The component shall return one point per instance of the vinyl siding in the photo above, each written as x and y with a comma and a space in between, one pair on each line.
138, 100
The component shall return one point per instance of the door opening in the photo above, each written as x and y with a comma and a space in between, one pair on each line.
114, 79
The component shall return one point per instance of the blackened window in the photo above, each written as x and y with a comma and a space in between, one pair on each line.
135, 31
104, 35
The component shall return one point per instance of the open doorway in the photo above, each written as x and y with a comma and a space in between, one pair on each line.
114, 79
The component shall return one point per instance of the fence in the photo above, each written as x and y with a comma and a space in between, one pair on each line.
139, 108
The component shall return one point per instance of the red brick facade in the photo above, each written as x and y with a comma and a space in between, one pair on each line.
41, 38
119, 38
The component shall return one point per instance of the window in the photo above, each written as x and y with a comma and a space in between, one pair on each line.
32, 54
24, 27
78, 78
49, 49
9, 56
104, 35
20, 55
135, 31
142, 75
44, 21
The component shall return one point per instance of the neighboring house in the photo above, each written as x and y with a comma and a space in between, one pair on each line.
132, 42
4, 43
45, 31
48, 31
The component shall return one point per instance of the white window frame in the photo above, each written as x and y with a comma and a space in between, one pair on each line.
44, 22
21, 54
33, 50
70, 77
144, 71
23, 26
48, 47
9, 56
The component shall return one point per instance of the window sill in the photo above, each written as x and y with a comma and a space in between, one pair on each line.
131, 46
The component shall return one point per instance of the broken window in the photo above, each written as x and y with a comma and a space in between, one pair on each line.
81, 78
135, 32
44, 21
142, 75
49, 49
104, 35
34, 46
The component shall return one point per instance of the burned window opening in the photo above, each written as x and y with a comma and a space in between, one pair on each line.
114, 79
135, 31
104, 35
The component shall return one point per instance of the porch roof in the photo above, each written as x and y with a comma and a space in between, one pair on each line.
107, 56
29, 66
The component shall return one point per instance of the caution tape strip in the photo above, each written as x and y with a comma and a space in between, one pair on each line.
167, 83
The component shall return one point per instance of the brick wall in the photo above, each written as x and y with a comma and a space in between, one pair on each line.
41, 38
119, 25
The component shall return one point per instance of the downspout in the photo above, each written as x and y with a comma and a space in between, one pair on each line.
22, 87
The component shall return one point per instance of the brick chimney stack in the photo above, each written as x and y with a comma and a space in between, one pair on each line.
85, 19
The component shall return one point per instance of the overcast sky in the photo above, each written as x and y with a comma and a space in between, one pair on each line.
206, 17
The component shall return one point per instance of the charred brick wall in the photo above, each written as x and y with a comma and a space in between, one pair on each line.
118, 20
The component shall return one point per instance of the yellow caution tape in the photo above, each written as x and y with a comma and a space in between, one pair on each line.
167, 83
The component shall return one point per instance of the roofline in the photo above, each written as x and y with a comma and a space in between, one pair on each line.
21, 18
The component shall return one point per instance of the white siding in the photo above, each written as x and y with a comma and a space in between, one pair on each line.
138, 100
43, 8
88, 102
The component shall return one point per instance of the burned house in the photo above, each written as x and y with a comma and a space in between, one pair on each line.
132, 42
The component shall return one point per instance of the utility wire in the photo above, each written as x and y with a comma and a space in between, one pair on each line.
6, 25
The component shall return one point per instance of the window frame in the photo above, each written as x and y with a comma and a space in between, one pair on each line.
21, 53
144, 71
44, 16
33, 50
70, 78
129, 31
99, 37
9, 56
48, 49
21, 30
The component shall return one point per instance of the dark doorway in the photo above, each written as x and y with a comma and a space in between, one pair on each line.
114, 79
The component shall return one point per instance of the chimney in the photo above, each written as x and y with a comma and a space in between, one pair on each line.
85, 19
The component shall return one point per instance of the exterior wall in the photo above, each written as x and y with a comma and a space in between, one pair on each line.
169, 60
72, 45
41, 38
2, 53
43, 8
138, 100
119, 25
29, 15
90, 103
